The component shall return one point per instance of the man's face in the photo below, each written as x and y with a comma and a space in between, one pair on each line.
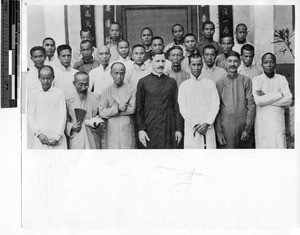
178, 32
114, 32
189, 43
146, 37
65, 57
247, 57
81, 83
138, 55
268, 63
86, 50
227, 45
49, 46
86, 36
233, 63
196, 66
104, 55
118, 74
157, 45
208, 31
209, 57
176, 57
38, 58
158, 63
46, 78
123, 49
241, 34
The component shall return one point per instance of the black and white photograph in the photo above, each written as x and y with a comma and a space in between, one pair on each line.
160, 77
158, 115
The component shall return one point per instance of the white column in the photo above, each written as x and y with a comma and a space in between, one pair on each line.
74, 20
55, 23
214, 17
263, 29
99, 25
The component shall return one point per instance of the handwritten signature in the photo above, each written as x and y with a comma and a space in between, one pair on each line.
190, 178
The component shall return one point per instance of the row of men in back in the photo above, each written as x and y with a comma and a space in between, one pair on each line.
158, 122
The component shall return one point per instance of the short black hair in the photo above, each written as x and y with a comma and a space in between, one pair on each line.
268, 53
234, 53
190, 35
37, 48
241, 24
227, 36
247, 47
85, 30
209, 47
46, 66
193, 56
207, 22
153, 53
147, 29
48, 38
86, 41
157, 37
123, 40
116, 24
138, 45
177, 25
63, 47
173, 48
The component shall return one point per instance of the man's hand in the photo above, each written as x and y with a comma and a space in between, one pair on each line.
245, 136
122, 107
178, 137
53, 142
76, 127
43, 138
221, 139
143, 137
201, 128
260, 93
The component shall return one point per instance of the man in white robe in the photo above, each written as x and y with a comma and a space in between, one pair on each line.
210, 70
271, 94
100, 77
117, 105
199, 104
47, 113
83, 134
51, 59
64, 73
139, 69
38, 56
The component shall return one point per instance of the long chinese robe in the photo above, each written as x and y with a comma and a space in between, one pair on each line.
237, 110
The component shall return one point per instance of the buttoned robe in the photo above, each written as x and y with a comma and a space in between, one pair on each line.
158, 111
87, 137
199, 103
47, 115
120, 125
269, 122
237, 110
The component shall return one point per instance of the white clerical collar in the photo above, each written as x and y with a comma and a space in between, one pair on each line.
159, 75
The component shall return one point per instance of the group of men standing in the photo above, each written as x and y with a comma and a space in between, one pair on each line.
187, 94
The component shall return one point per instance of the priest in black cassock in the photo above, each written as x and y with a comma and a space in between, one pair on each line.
159, 122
